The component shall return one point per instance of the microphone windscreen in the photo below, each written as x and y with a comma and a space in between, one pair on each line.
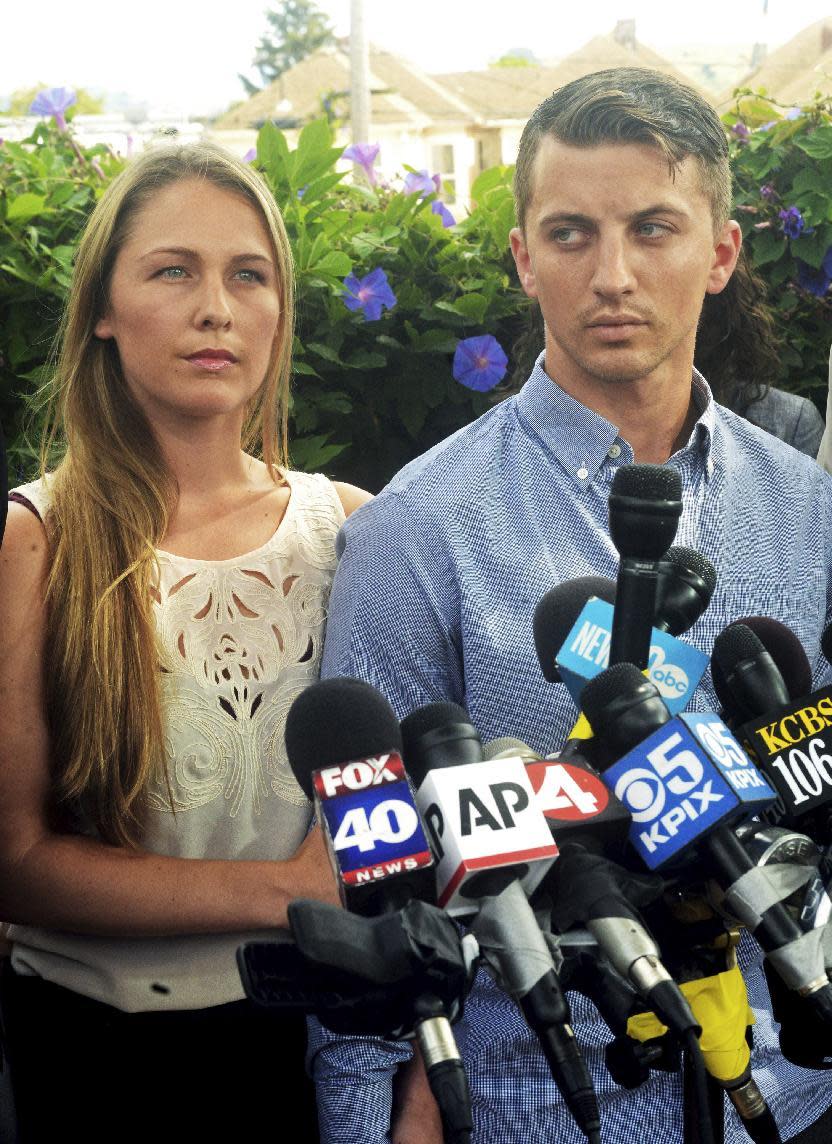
689, 560
786, 650
337, 721
506, 747
621, 681
644, 509
732, 646
647, 482
557, 612
430, 731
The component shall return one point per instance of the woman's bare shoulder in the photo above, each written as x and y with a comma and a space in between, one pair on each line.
351, 496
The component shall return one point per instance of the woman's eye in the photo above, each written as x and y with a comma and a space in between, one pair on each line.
172, 272
248, 275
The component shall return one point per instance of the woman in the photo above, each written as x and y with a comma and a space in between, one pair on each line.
162, 601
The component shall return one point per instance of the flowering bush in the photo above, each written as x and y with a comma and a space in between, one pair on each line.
407, 319
48, 186
782, 167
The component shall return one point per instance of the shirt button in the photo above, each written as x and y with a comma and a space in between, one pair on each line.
583, 473
614, 451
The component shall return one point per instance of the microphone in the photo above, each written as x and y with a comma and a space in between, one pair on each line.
790, 738
686, 781
492, 844
644, 509
573, 637
344, 746
557, 612
575, 801
685, 586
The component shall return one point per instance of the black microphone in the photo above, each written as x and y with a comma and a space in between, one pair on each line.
785, 728
689, 779
556, 612
344, 746
685, 586
644, 509
477, 812
746, 679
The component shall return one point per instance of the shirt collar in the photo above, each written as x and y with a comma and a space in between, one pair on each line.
582, 440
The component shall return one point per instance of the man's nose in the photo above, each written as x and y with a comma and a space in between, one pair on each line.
613, 270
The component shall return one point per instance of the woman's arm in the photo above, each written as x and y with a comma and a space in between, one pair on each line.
70, 882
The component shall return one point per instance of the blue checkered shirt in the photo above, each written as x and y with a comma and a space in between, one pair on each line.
433, 599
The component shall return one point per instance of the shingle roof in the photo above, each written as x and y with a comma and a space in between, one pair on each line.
793, 72
399, 93
513, 93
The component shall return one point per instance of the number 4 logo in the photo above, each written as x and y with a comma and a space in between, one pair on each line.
565, 791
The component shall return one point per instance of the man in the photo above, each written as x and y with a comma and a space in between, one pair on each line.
623, 196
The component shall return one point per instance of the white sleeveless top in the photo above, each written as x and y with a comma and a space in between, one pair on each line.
239, 639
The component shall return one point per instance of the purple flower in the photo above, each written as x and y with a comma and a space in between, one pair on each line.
479, 363
792, 222
818, 281
437, 182
768, 192
768, 126
793, 113
250, 155
443, 212
419, 182
740, 130
53, 101
371, 294
364, 154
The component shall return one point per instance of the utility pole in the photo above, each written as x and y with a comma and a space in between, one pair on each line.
359, 75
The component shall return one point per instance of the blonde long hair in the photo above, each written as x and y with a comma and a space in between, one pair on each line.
110, 499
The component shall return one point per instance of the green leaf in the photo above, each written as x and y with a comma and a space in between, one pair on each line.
336, 263
310, 454
325, 352
767, 246
303, 367
471, 306
26, 206
273, 152
365, 359
818, 144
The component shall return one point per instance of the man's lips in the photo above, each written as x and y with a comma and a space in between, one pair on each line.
618, 320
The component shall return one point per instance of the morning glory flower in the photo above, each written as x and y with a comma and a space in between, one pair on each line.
443, 212
793, 223
793, 113
740, 130
53, 101
818, 281
250, 155
371, 294
479, 362
419, 182
768, 192
364, 154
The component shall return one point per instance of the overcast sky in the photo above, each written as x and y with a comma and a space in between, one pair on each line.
185, 54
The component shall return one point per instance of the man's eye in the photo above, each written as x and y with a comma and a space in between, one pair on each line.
651, 229
567, 235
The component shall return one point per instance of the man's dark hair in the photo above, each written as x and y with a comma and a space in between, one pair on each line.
630, 105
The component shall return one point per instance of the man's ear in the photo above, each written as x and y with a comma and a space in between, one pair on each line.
726, 253
525, 270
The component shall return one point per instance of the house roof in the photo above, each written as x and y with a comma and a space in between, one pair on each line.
399, 93
514, 92
794, 71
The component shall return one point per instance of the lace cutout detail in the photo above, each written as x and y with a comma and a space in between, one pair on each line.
239, 640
